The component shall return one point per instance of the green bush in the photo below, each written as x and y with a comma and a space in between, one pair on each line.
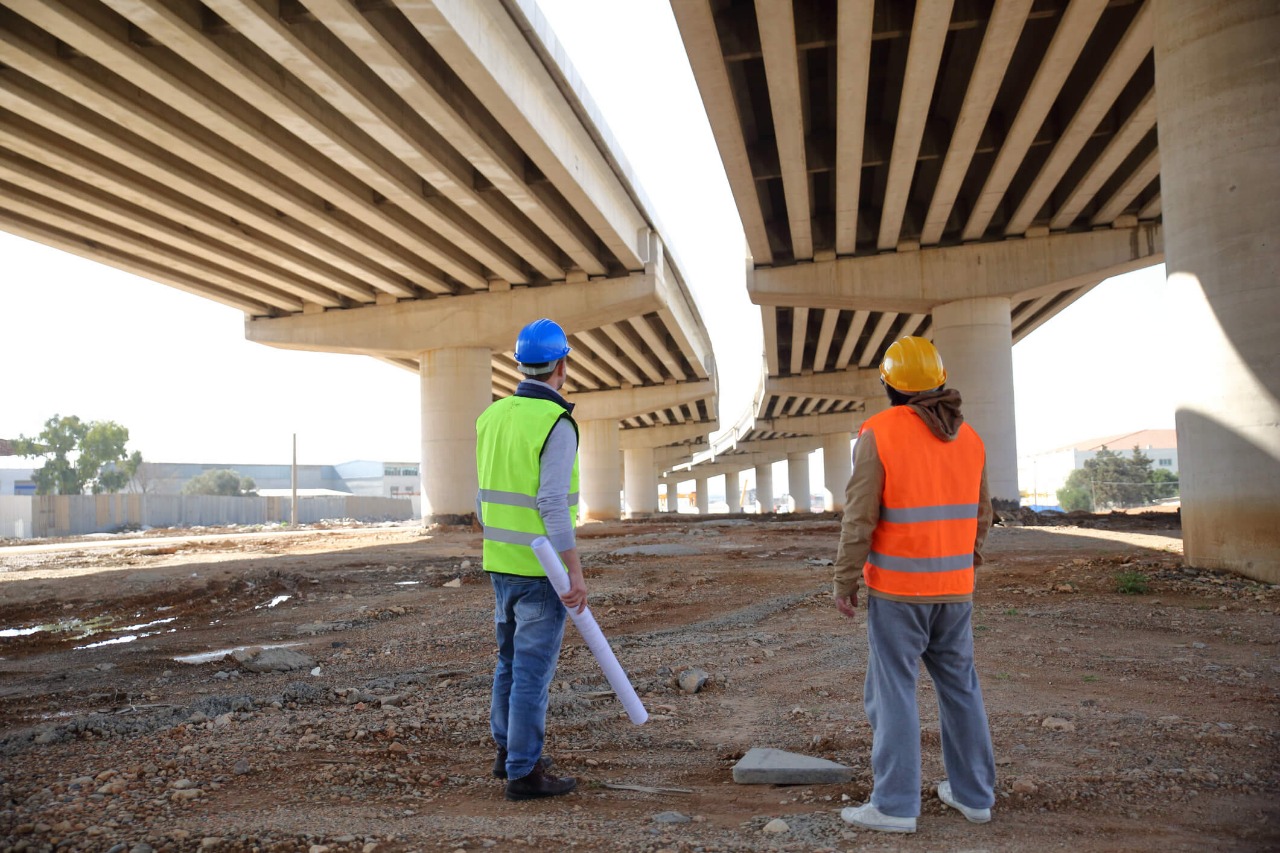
1132, 583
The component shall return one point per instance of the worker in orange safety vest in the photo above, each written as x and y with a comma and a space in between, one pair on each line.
917, 510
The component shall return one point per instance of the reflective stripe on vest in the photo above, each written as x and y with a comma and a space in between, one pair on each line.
510, 435
923, 543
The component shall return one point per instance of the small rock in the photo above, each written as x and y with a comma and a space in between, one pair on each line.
466, 564
777, 826
1058, 724
456, 583
692, 680
670, 817
241, 768
1025, 786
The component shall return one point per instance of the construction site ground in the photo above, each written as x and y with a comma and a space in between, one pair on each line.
1121, 720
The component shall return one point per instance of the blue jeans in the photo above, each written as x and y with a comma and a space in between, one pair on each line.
899, 635
529, 617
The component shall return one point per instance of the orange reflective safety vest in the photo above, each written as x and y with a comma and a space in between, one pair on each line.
923, 544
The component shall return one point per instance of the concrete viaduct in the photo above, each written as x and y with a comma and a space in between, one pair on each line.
414, 180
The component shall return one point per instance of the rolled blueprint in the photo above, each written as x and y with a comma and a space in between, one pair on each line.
590, 631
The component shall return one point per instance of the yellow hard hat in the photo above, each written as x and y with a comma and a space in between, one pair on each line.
912, 364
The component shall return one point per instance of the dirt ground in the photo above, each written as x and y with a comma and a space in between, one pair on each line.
1121, 721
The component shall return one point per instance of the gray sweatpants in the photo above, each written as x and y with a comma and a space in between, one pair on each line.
899, 635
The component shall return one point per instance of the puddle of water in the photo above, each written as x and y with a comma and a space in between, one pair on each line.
205, 657
86, 627
127, 638
147, 624
279, 599
407, 583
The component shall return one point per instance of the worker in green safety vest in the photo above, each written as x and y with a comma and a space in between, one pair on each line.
527, 466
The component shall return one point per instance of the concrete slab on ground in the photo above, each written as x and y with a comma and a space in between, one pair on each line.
766, 766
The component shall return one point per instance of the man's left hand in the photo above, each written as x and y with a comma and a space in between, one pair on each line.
847, 605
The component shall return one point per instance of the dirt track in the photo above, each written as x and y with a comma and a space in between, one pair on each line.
1121, 722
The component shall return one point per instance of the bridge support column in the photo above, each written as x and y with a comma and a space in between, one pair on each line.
1219, 145
798, 481
600, 471
975, 338
764, 487
640, 475
837, 466
704, 499
456, 386
732, 494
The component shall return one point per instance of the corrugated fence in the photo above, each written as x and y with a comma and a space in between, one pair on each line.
74, 515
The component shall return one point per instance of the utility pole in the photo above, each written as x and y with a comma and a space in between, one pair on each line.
293, 485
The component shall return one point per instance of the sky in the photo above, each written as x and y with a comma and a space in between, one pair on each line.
80, 338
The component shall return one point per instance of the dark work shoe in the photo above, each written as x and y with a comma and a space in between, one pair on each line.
539, 784
546, 762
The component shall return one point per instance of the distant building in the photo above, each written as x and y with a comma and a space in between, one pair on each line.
377, 479
1040, 475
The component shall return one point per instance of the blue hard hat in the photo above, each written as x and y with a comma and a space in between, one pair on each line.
541, 342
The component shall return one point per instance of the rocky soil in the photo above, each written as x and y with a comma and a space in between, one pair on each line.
1138, 720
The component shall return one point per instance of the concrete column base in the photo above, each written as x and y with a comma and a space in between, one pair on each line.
641, 478
837, 466
798, 481
732, 492
456, 387
764, 487
975, 338
600, 471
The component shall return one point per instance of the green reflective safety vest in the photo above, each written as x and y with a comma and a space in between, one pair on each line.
510, 435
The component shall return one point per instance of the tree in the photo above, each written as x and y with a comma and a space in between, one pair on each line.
80, 455
220, 482
1112, 480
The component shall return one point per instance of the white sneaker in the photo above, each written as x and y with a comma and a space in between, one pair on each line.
971, 815
870, 817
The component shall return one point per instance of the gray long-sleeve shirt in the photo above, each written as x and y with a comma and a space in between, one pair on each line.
554, 476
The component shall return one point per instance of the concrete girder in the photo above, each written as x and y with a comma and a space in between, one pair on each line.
853, 69
259, 206
1133, 48
818, 425
697, 27
919, 281
487, 50
1139, 123
108, 42
924, 53
777, 24
1146, 172
663, 435
317, 62
1068, 41
619, 403
491, 319
1001, 37
447, 112
854, 385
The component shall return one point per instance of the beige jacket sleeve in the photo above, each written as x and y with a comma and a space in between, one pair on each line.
985, 517
861, 514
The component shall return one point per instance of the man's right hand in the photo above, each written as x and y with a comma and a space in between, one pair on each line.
576, 598
847, 605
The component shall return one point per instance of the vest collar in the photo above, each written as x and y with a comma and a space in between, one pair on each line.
542, 391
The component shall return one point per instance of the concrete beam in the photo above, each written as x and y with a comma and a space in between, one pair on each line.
487, 50
853, 73
663, 435
491, 319
620, 403
919, 281
844, 385
823, 424
1068, 41
777, 24
1134, 129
